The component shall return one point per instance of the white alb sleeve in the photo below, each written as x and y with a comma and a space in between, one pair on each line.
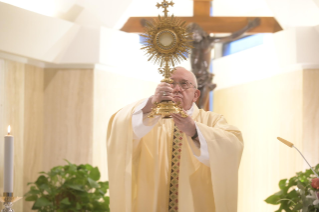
202, 155
140, 123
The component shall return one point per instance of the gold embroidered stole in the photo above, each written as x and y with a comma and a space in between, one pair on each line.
175, 169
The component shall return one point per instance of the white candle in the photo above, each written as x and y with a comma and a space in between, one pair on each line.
8, 163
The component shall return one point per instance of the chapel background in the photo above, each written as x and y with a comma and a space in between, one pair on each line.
65, 68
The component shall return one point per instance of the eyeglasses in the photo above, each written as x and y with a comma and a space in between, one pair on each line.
184, 85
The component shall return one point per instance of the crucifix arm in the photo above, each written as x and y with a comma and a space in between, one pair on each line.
251, 24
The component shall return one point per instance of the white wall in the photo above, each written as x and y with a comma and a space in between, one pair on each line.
270, 91
295, 13
33, 35
288, 50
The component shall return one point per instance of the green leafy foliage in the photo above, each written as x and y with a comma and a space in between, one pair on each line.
69, 188
293, 193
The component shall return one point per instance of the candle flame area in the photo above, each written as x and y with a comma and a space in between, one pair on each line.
9, 129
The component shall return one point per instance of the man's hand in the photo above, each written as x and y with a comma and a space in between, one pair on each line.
163, 91
187, 125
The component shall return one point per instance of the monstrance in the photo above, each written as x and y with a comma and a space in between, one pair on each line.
167, 41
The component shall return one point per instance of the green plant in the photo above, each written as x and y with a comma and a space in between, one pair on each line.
297, 193
69, 188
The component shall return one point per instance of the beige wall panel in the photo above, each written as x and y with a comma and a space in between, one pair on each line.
33, 127
68, 117
111, 93
311, 116
13, 115
263, 110
2, 120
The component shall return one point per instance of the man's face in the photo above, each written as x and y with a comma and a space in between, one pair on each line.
185, 96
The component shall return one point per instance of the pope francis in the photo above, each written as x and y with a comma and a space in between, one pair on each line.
168, 165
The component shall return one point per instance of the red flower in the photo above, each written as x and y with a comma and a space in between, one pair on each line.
315, 183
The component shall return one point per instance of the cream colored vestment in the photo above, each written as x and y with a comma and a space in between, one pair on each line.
142, 125
139, 175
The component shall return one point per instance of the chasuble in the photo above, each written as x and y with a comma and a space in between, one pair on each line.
161, 171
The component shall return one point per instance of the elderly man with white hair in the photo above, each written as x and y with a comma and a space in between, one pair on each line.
180, 164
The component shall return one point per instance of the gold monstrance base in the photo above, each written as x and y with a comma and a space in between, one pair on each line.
165, 109
167, 40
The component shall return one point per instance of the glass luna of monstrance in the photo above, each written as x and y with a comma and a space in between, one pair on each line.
166, 43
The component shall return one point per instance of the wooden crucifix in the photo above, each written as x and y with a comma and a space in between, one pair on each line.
211, 24
202, 24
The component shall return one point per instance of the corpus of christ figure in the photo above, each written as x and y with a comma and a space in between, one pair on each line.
201, 56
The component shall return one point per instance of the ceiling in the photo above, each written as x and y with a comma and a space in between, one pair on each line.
114, 13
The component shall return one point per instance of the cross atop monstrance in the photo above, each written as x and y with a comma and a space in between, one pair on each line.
166, 42
165, 5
